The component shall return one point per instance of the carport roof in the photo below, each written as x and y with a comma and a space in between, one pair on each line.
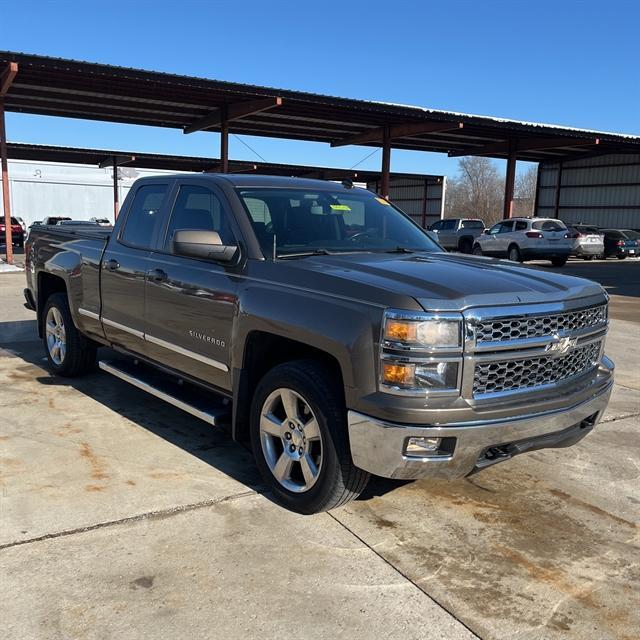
69, 88
75, 155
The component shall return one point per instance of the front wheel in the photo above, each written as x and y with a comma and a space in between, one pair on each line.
621, 257
477, 250
514, 254
69, 353
300, 441
559, 262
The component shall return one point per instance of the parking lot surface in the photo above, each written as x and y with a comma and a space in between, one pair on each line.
122, 517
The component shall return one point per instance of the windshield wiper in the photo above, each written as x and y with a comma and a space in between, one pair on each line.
304, 254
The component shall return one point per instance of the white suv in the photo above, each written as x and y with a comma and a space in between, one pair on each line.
521, 239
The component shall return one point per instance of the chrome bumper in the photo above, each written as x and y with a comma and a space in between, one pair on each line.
378, 447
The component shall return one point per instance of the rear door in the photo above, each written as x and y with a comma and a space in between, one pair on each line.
125, 264
191, 303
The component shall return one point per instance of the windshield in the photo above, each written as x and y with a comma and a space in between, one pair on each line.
326, 221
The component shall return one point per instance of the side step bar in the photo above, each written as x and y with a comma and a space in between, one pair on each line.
216, 411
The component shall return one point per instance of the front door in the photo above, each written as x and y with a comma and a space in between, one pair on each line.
191, 303
124, 268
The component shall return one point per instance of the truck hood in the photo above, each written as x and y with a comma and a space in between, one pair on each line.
441, 281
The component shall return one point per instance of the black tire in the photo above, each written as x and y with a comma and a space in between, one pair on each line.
621, 257
465, 246
513, 253
559, 262
80, 355
477, 250
338, 480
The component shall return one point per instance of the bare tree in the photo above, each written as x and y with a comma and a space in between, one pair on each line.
525, 192
476, 192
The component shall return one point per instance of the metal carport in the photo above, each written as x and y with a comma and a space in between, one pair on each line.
74, 89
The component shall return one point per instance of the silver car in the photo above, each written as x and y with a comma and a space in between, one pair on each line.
586, 241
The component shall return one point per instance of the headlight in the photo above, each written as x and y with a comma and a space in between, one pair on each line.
429, 332
421, 353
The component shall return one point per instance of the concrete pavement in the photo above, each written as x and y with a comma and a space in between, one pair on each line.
122, 517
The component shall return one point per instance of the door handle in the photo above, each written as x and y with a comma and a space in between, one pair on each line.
112, 265
158, 275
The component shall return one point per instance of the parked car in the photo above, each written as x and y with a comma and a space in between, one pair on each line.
457, 234
521, 239
334, 353
586, 241
620, 243
22, 224
103, 222
54, 219
17, 232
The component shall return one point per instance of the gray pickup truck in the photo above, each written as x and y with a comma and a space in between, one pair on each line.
324, 327
457, 234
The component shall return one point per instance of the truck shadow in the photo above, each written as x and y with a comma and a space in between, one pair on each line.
212, 445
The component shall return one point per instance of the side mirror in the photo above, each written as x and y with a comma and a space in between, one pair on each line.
199, 243
486, 232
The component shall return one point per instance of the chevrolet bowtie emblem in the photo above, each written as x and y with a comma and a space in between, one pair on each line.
560, 346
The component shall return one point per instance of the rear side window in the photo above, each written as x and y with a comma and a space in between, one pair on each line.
198, 208
144, 216
472, 224
548, 225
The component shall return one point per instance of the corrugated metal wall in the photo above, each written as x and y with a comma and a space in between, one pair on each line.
422, 199
603, 190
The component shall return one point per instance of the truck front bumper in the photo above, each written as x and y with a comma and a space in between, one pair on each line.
380, 447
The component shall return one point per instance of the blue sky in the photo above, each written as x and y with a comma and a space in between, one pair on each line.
562, 62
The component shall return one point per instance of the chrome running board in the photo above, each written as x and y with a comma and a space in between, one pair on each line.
162, 386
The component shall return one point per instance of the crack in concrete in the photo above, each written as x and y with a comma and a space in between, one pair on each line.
404, 575
150, 515
624, 416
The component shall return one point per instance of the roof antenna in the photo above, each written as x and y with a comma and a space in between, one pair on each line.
275, 253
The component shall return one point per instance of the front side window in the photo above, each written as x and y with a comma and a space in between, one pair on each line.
449, 225
303, 221
198, 208
521, 225
144, 216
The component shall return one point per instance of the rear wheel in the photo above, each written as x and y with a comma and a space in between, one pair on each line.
69, 353
514, 254
300, 441
621, 257
559, 262
477, 250
466, 245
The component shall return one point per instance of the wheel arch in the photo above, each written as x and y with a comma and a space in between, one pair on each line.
262, 352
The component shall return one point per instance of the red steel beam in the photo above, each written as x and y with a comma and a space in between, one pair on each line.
386, 162
6, 80
397, 131
509, 184
233, 111
523, 144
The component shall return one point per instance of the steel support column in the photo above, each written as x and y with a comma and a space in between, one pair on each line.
509, 184
116, 196
6, 205
556, 212
224, 143
386, 163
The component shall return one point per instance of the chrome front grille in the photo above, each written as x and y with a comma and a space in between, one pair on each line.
528, 373
523, 327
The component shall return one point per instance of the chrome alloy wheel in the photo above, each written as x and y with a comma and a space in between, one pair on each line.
291, 440
56, 335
